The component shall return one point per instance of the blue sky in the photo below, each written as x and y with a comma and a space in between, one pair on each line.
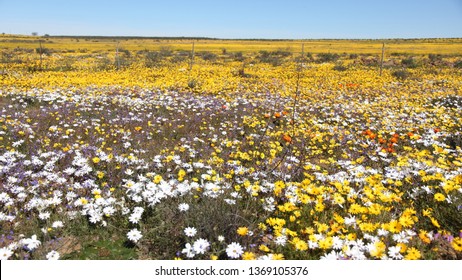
236, 19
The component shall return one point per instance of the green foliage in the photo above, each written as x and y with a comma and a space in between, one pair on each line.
458, 64
401, 74
340, 67
327, 57
409, 62
274, 58
208, 56
104, 249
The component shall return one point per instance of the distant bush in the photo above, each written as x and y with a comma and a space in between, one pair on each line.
43, 51
192, 83
327, 57
281, 53
409, 62
208, 56
125, 52
340, 67
177, 58
237, 56
104, 63
353, 56
274, 58
458, 64
309, 56
166, 51
435, 58
153, 58
401, 74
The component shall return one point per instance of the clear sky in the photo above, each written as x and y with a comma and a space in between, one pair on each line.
236, 19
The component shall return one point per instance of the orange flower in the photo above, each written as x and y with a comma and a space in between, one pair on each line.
267, 115
287, 138
277, 115
369, 133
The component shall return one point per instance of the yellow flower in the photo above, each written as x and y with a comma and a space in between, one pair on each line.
213, 257
181, 173
278, 187
326, 243
338, 198
427, 212
157, 179
100, 174
277, 257
96, 160
319, 207
263, 248
406, 221
322, 227
458, 179
300, 245
242, 231
378, 250
394, 226
423, 235
249, 256
355, 208
412, 254
435, 222
439, 197
457, 244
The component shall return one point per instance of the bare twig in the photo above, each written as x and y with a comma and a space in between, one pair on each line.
297, 89
294, 107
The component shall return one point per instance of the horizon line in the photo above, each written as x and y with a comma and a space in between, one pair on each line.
229, 39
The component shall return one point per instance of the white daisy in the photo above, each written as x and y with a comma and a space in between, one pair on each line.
234, 250
201, 246
183, 207
57, 224
281, 240
332, 255
5, 253
134, 235
189, 251
190, 231
31, 243
394, 252
53, 255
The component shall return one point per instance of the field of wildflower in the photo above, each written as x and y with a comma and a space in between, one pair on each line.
169, 150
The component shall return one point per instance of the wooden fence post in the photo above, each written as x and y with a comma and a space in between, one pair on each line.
41, 53
117, 56
191, 62
381, 60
